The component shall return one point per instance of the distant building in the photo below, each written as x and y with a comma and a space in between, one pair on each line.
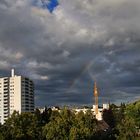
106, 106
16, 94
55, 108
97, 112
98, 115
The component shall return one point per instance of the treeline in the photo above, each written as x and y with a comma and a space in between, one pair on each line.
123, 121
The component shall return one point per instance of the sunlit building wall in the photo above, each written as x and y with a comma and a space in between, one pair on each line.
16, 94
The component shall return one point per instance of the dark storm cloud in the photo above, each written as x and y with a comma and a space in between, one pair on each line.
65, 52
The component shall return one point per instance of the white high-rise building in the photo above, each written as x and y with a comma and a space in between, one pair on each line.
16, 93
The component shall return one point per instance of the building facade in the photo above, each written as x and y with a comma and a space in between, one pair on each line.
16, 94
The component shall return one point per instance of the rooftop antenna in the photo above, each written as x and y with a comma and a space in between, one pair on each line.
12, 72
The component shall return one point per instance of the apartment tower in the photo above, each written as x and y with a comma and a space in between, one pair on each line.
16, 94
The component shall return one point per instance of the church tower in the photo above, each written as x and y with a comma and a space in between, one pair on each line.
96, 98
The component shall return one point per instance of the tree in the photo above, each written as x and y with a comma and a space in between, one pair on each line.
126, 129
109, 117
59, 126
129, 123
21, 126
133, 111
84, 127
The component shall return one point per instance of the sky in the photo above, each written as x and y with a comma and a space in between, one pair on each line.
65, 51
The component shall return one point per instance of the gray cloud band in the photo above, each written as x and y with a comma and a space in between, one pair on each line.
64, 52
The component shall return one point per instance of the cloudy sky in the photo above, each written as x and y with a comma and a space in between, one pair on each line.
64, 52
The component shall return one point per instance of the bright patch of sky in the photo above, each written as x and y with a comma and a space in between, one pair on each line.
46, 4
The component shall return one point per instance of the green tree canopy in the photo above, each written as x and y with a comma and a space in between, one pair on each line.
21, 126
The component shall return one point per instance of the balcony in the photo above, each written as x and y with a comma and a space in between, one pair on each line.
6, 96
